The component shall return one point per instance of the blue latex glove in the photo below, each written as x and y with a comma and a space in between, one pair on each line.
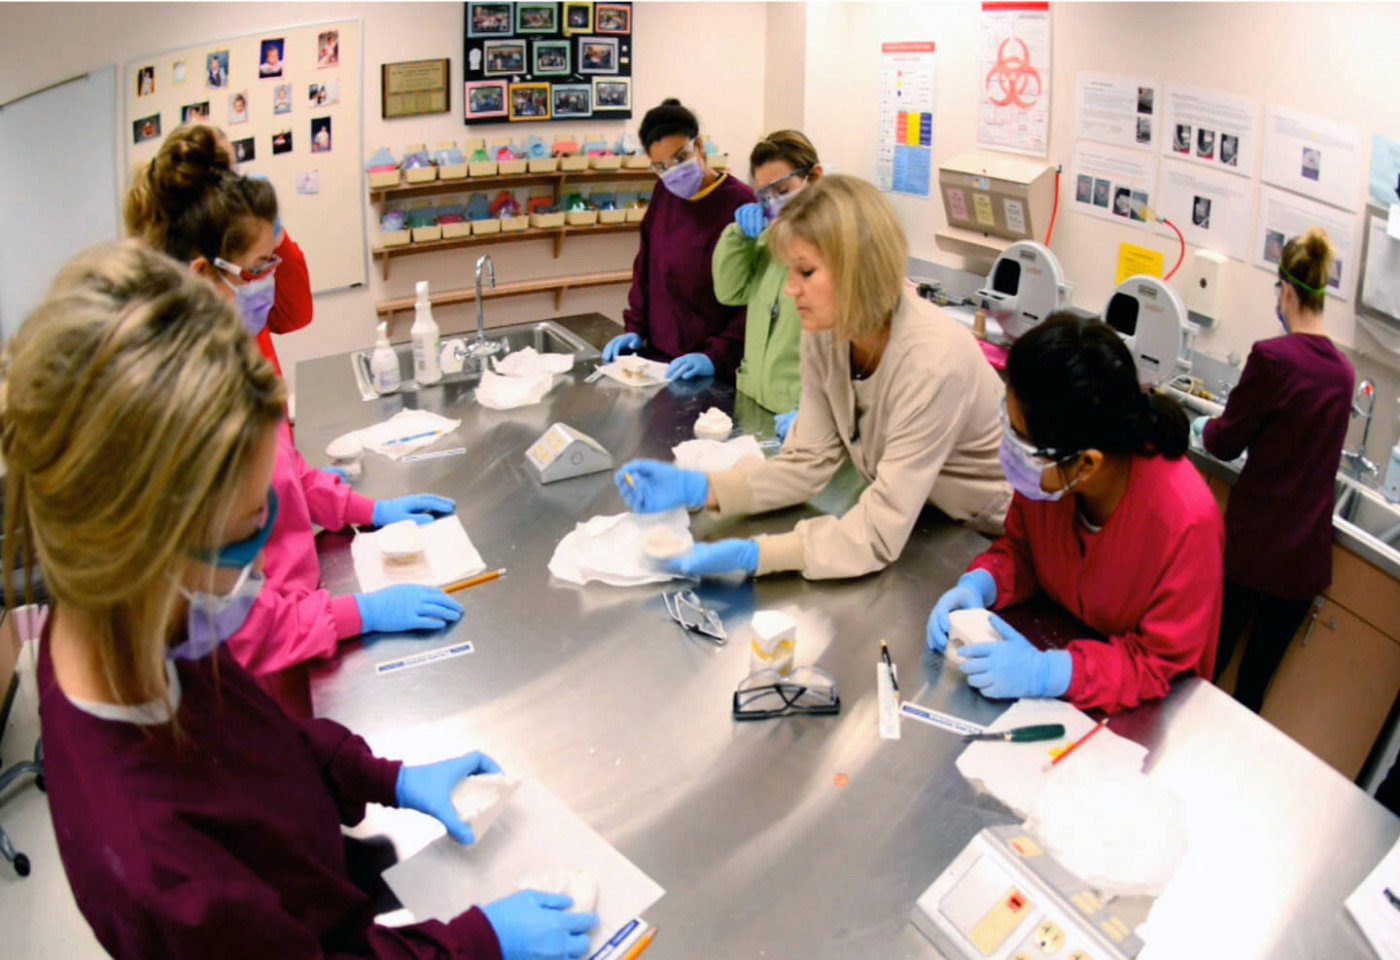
428, 789
976, 590
782, 423
1014, 668
630, 342
1198, 429
408, 606
716, 559
421, 508
336, 472
649, 486
691, 366
531, 925
751, 220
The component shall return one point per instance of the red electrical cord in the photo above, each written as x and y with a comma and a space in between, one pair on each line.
1055, 211
1182, 256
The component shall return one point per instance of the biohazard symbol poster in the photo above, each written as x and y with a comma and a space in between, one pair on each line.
1013, 109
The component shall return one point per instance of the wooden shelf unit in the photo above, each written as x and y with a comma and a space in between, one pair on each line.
387, 309
384, 254
558, 180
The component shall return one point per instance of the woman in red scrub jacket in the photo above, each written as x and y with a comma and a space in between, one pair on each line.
1109, 520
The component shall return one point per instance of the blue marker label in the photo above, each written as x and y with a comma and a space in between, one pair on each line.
613, 947
943, 720
419, 659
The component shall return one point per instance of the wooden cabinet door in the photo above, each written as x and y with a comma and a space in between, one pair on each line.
1335, 687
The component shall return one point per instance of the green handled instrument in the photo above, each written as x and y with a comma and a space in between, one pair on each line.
1043, 731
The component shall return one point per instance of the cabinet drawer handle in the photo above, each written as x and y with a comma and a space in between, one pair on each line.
1312, 620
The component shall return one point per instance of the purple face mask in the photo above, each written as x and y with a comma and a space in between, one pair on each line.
684, 179
1023, 471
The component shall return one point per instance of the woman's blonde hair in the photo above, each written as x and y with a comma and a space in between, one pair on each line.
132, 405
187, 203
1306, 265
860, 242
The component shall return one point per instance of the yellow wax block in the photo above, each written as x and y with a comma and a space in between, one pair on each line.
1137, 261
982, 209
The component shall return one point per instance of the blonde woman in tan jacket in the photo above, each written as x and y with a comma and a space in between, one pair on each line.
888, 380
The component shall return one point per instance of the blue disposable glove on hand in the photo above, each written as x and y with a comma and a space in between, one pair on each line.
976, 590
1014, 668
1198, 428
691, 366
421, 508
649, 486
408, 606
335, 472
428, 789
630, 342
715, 559
782, 423
531, 925
751, 220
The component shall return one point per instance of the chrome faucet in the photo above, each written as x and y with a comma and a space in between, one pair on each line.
481, 348
1357, 463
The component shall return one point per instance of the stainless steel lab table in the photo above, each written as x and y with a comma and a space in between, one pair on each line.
762, 854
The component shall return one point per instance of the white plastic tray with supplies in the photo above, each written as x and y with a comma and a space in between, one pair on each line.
635, 371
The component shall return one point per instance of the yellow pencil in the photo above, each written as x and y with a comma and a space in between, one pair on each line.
642, 944
473, 581
628, 478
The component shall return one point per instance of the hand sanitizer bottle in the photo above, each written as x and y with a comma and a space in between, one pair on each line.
384, 363
425, 339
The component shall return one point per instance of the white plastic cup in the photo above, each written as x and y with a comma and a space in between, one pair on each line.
773, 645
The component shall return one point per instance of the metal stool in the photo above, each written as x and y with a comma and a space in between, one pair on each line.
8, 776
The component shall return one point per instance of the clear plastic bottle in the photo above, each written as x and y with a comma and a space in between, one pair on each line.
425, 339
384, 363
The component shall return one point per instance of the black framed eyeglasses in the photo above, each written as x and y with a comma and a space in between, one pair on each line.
767, 694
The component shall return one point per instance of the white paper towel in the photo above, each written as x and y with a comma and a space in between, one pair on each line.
529, 362
655, 373
405, 423
715, 456
507, 393
609, 549
449, 557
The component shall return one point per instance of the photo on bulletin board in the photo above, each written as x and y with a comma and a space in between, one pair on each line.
572, 100
282, 98
578, 18
281, 142
529, 101
243, 151
552, 58
328, 49
532, 61
216, 70
238, 107
146, 81
489, 20
614, 18
537, 18
195, 112
178, 73
145, 128
486, 99
320, 134
270, 58
611, 94
323, 94
504, 58
597, 55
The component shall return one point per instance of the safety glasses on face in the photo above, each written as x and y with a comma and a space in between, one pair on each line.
684, 155
1048, 454
249, 274
240, 555
772, 191
765, 694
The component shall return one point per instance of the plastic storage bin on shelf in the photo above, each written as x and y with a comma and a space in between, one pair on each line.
630, 152
383, 170
451, 162
393, 229
417, 165
454, 223
608, 209
424, 224
546, 219
577, 212
509, 162
599, 157
570, 159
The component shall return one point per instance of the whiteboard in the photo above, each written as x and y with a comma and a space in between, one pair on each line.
329, 224
58, 186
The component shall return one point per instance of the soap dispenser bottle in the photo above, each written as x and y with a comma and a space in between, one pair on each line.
425, 339
384, 363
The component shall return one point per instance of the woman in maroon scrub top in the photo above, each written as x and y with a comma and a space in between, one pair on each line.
1290, 411
194, 818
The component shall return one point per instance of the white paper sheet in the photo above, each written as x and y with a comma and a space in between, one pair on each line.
1384, 186
1376, 906
1014, 772
1283, 216
536, 833
1013, 99
1212, 209
506, 393
449, 557
406, 423
1313, 156
655, 370
1381, 287
1117, 110
715, 456
609, 549
1210, 129
1111, 182
529, 362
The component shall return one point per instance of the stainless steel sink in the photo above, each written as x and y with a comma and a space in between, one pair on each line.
546, 337
1368, 512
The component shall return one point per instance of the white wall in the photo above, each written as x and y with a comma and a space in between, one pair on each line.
1332, 60
674, 55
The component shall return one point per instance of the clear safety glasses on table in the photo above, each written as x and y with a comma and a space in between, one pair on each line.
765, 694
685, 608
